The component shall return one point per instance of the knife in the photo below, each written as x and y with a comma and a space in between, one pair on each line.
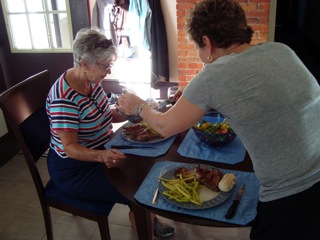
232, 209
128, 147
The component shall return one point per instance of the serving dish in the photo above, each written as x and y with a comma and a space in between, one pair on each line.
214, 130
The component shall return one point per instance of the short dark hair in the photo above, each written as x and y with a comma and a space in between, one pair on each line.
223, 21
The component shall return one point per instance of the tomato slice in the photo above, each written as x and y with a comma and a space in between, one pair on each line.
222, 131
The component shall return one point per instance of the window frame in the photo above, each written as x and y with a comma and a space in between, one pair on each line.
47, 12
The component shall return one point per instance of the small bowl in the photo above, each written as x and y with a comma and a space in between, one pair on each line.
214, 139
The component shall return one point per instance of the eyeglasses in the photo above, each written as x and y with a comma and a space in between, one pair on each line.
100, 108
105, 68
104, 44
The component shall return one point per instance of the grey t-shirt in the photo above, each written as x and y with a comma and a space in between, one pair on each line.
273, 104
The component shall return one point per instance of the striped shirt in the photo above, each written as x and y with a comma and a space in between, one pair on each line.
90, 116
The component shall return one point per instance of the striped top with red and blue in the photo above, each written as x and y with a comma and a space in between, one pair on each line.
90, 116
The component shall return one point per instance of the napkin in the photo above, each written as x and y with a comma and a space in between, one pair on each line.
245, 213
231, 153
149, 150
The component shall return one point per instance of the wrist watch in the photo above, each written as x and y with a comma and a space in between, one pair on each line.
139, 109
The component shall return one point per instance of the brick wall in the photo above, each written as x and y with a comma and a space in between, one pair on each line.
188, 62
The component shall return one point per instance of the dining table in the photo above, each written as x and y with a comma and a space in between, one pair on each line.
132, 172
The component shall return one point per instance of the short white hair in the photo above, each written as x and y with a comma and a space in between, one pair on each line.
90, 44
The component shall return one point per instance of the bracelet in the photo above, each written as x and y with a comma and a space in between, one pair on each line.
139, 109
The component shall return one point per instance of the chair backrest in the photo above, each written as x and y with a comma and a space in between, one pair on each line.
23, 106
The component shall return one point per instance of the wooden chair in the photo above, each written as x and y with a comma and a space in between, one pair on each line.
23, 106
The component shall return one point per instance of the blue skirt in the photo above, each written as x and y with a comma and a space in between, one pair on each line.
85, 180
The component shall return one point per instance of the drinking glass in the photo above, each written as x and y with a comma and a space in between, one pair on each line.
171, 92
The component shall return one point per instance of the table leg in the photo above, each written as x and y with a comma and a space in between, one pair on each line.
144, 223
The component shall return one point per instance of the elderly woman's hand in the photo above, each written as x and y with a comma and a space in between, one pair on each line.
129, 103
112, 158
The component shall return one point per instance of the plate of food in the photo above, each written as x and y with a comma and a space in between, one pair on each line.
140, 133
196, 186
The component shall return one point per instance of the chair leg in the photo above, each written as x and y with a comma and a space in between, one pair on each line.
103, 224
48, 222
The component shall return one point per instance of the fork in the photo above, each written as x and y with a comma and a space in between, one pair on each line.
156, 193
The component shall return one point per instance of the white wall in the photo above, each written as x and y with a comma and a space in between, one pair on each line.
272, 20
170, 18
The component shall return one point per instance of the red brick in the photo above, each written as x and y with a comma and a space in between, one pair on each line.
189, 78
188, 62
183, 47
249, 7
191, 47
260, 27
181, 20
192, 1
264, 6
182, 78
184, 6
182, 65
192, 54
182, 34
259, 1
264, 21
188, 72
180, 26
263, 35
181, 13
193, 66
253, 20
258, 14
242, 1
182, 53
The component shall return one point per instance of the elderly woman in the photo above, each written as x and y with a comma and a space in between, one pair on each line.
81, 123
271, 101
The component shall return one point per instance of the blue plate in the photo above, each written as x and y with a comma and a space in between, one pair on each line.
220, 198
129, 139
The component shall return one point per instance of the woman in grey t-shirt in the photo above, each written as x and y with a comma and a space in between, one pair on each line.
271, 101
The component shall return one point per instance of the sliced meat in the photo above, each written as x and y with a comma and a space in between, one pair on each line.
209, 177
140, 132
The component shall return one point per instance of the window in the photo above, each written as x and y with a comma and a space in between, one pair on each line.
38, 25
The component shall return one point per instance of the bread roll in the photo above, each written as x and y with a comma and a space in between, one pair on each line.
227, 182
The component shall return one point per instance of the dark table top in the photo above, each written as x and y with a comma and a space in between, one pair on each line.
129, 176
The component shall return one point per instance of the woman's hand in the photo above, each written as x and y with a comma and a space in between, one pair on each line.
112, 158
128, 103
